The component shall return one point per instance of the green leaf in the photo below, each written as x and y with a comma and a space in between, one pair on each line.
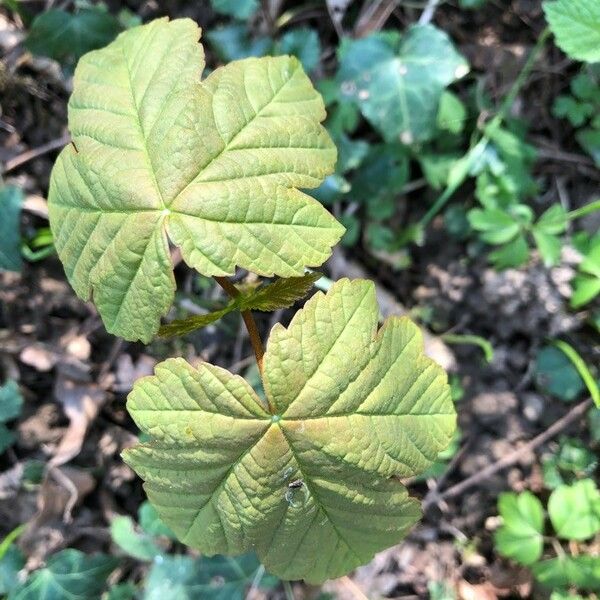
217, 578
239, 9
556, 375
399, 92
214, 166
577, 112
233, 42
280, 294
11, 401
138, 545
189, 324
496, 226
513, 254
314, 475
575, 510
572, 460
10, 565
304, 44
7, 438
151, 523
586, 285
452, 113
68, 574
553, 221
379, 179
589, 140
66, 37
576, 26
521, 534
565, 571
582, 369
549, 247
11, 198
122, 591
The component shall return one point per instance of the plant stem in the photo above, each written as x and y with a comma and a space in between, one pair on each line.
491, 127
584, 210
289, 592
249, 321
512, 457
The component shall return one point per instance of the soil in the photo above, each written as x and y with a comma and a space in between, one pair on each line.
75, 376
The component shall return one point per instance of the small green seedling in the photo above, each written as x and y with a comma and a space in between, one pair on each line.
308, 478
574, 512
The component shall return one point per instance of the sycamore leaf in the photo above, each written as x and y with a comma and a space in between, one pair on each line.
576, 26
310, 482
280, 294
213, 166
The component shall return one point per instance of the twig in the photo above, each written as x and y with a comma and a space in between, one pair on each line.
428, 12
25, 157
249, 321
513, 457
353, 588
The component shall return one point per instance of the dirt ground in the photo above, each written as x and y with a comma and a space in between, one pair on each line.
75, 376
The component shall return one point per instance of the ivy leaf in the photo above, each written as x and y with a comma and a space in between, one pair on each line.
150, 521
576, 26
68, 574
239, 9
316, 474
11, 199
132, 542
280, 294
233, 42
399, 91
217, 578
65, 37
302, 43
215, 166
521, 535
575, 510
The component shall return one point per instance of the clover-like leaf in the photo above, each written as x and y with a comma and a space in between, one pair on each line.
576, 25
310, 482
213, 165
521, 535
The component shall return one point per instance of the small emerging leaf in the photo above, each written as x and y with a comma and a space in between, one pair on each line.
280, 294
214, 166
351, 409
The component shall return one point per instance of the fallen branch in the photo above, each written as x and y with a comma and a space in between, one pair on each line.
28, 155
510, 459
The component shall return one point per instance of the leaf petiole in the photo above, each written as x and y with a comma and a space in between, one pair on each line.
249, 321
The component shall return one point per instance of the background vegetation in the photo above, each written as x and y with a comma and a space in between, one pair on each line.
467, 179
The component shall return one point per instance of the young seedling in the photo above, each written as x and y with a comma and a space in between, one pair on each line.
308, 478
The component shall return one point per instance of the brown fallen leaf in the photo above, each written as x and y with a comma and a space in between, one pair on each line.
39, 356
81, 403
480, 591
61, 490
